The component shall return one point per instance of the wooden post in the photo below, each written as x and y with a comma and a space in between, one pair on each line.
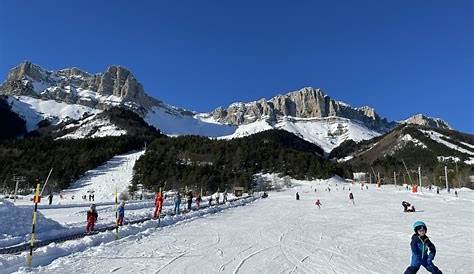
446, 178
419, 177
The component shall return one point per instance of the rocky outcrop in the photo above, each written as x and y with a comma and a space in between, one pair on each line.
116, 86
422, 120
307, 102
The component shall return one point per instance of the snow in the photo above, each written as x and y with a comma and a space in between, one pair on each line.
448, 158
280, 235
34, 110
115, 173
171, 122
327, 132
436, 136
345, 159
93, 128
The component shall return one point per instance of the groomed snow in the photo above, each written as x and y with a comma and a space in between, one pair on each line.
115, 173
281, 235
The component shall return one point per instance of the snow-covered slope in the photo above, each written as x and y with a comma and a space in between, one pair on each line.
114, 174
281, 235
93, 128
327, 133
34, 110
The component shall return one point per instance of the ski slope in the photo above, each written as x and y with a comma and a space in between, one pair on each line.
115, 173
281, 235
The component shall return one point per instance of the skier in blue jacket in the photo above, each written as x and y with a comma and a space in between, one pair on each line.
177, 203
420, 244
121, 213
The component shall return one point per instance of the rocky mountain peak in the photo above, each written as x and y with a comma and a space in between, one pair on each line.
420, 119
307, 102
116, 86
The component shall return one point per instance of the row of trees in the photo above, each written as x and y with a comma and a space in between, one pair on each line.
198, 162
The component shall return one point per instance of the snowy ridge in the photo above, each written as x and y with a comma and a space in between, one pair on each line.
34, 110
328, 132
93, 128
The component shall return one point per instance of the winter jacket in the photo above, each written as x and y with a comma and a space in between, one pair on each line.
419, 248
177, 199
158, 200
92, 216
121, 211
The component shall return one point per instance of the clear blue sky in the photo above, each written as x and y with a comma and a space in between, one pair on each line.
400, 57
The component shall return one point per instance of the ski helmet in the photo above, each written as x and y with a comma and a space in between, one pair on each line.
419, 224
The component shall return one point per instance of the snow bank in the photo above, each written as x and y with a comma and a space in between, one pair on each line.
16, 223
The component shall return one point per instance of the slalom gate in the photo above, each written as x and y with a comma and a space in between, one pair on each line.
17, 249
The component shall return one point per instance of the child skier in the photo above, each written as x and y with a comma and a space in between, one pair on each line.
158, 204
318, 203
420, 244
91, 218
198, 201
351, 197
121, 213
297, 196
177, 203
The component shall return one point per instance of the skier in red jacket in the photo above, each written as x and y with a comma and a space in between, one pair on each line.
91, 218
318, 203
158, 204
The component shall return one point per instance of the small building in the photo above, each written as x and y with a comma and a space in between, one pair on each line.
238, 191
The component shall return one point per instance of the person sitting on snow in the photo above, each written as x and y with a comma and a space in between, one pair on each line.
405, 205
420, 245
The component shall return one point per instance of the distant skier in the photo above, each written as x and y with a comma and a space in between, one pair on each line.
265, 195
405, 205
420, 244
297, 196
456, 193
218, 196
121, 213
91, 218
329, 189
50, 198
189, 200
318, 203
210, 200
437, 190
198, 201
225, 197
158, 204
351, 197
177, 203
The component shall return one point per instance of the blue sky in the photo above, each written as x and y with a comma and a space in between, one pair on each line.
400, 57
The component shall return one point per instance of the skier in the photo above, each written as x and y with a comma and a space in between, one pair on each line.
198, 201
318, 203
456, 193
351, 197
420, 244
50, 198
190, 200
121, 213
210, 200
177, 203
437, 190
158, 204
91, 218
297, 196
225, 196
405, 205
218, 196
265, 195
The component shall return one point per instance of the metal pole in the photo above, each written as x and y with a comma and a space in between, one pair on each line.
16, 189
47, 178
446, 177
419, 176
395, 178
29, 258
409, 176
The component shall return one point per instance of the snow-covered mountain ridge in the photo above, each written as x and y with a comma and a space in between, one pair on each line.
70, 94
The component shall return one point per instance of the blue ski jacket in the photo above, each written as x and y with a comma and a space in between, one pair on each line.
121, 211
420, 245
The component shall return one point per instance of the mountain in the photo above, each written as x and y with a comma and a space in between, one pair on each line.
414, 146
422, 120
42, 97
